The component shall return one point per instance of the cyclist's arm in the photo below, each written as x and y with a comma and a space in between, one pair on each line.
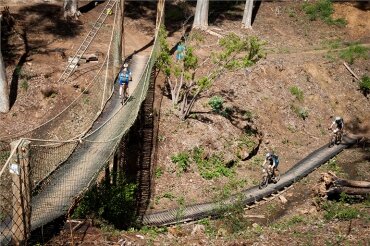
332, 124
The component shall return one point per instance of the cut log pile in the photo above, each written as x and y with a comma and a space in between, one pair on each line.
331, 185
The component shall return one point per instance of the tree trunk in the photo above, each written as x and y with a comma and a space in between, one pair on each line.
247, 16
4, 91
201, 15
160, 9
118, 50
70, 8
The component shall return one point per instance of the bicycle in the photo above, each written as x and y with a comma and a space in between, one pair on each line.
268, 177
335, 138
124, 96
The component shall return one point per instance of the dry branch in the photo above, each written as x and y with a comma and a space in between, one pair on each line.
351, 71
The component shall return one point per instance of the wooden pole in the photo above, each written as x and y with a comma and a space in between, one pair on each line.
21, 189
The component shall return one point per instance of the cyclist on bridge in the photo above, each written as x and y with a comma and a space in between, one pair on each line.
124, 77
337, 125
271, 163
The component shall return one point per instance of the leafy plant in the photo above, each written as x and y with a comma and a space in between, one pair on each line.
158, 172
216, 104
115, 204
365, 85
210, 167
353, 52
182, 160
186, 85
297, 92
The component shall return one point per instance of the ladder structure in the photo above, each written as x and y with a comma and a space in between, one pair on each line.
87, 41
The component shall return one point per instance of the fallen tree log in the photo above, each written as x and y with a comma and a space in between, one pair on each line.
348, 190
332, 185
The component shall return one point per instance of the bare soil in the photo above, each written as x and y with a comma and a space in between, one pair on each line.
298, 54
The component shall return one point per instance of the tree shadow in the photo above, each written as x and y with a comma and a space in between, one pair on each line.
17, 71
355, 127
141, 10
363, 5
220, 11
89, 6
48, 18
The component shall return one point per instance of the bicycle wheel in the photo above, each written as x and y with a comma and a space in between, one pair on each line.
277, 176
331, 141
264, 182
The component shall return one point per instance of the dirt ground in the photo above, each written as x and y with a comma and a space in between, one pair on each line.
299, 53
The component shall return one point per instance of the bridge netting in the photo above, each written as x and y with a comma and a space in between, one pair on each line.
52, 164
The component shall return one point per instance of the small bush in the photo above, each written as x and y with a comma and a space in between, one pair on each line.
158, 172
182, 160
298, 93
353, 52
216, 104
365, 85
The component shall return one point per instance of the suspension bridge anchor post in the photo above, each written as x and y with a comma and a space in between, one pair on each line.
21, 190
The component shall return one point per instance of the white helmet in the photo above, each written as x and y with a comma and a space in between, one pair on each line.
268, 155
125, 65
338, 118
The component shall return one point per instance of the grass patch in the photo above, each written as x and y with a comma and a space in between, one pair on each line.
339, 210
323, 10
297, 92
24, 85
353, 52
210, 167
334, 167
365, 85
182, 160
159, 172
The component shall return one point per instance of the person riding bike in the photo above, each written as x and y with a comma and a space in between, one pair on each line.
124, 77
272, 162
337, 126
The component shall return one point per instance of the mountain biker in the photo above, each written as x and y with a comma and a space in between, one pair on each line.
272, 161
124, 77
337, 125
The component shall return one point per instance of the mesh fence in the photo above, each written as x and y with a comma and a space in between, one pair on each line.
57, 172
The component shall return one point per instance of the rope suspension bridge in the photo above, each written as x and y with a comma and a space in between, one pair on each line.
42, 176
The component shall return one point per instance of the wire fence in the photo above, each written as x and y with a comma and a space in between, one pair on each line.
48, 175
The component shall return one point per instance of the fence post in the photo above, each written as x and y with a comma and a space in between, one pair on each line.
21, 189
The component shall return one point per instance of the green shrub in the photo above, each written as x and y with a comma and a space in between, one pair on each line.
158, 172
298, 93
115, 204
353, 52
365, 85
216, 104
322, 9
210, 167
182, 160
